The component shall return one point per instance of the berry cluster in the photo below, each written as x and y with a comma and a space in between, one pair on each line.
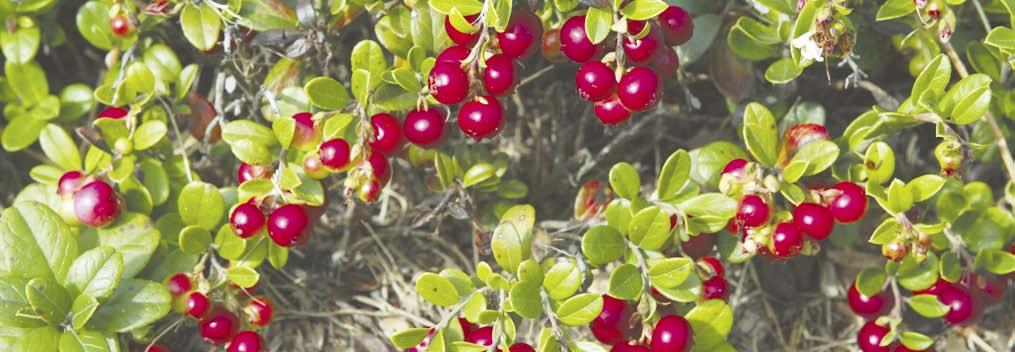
619, 325
482, 336
287, 224
615, 91
92, 201
217, 323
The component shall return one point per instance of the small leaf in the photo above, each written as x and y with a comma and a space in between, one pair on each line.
525, 299
603, 244
626, 282
928, 305
409, 338
243, 276
95, 273
195, 240
625, 181
915, 276
134, 304
149, 133
597, 24
48, 299
436, 290
201, 25
580, 309
924, 187
650, 228
512, 239
327, 93
673, 174
892, 9
641, 10
870, 281
710, 321
60, 148
915, 341
478, 174
562, 280
670, 272
201, 204
996, 261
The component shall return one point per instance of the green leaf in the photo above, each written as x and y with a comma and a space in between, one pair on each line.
265, 15
603, 244
708, 212
805, 21
580, 309
22, 131
933, 78
1001, 38
966, 87
251, 142
60, 148
597, 24
512, 239
709, 160
201, 25
973, 107
201, 204
626, 282
12, 300
139, 79
367, 55
93, 23
134, 304
819, 155
361, 84
409, 338
624, 180
35, 242
478, 173
562, 280
928, 305
673, 175
892, 9
760, 134
195, 240
670, 272
327, 93
95, 273
951, 268
914, 275
75, 100
278, 256
924, 187
465, 7
525, 299
85, 341
710, 321
134, 237
243, 276
83, 309
900, 198
186, 79
870, 281
48, 299
30, 80
650, 228
437, 290
782, 71
155, 179
149, 133
915, 341
20, 45
996, 261
641, 10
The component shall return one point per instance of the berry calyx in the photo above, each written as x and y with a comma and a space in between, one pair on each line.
246, 220
96, 204
248, 172
197, 304
575, 42
120, 25
787, 240
814, 220
521, 347
289, 225
753, 212
219, 326
455, 54
459, 37
246, 341
70, 182
715, 287
641, 50
610, 111
424, 128
850, 205
448, 83
638, 89
260, 311
676, 24
499, 76
672, 334
178, 284
481, 336
868, 339
335, 153
595, 81
481, 118
518, 39
387, 133
868, 307
962, 308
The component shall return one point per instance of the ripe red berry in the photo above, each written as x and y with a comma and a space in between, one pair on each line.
851, 204
787, 240
641, 50
814, 220
715, 287
305, 136
595, 81
197, 305
260, 311
289, 225
672, 334
676, 24
387, 133
699, 246
611, 325
551, 46
448, 83
629, 347
481, 118
96, 204
113, 113
380, 167
247, 220
178, 284
219, 326
611, 111
455, 54
481, 336
521, 347
714, 265
248, 172
246, 341
335, 153
459, 37
575, 42
868, 339
467, 327
158, 347
424, 128
990, 287
70, 182
665, 62
962, 308
499, 76
638, 89
518, 39
869, 307
120, 25
753, 212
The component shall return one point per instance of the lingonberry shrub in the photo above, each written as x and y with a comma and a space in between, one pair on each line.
214, 139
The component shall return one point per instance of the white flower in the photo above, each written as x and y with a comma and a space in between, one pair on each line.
759, 7
809, 49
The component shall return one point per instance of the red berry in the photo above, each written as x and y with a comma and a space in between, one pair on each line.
612, 323
699, 246
246, 341
611, 111
736, 167
220, 326
387, 133
641, 50
672, 334
96, 204
638, 89
248, 172
158, 347
962, 308
289, 225
499, 76
595, 81
370, 191
247, 220
70, 182
455, 54
676, 24
551, 46
335, 153
120, 25
178, 284
715, 287
197, 304
305, 135
424, 128
260, 311
113, 113
575, 42
460, 37
851, 204
753, 212
482, 336
521, 347
786, 240
448, 83
992, 287
467, 327
481, 118
518, 39
868, 339
629, 347
869, 307
665, 62
380, 167
814, 220
715, 265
